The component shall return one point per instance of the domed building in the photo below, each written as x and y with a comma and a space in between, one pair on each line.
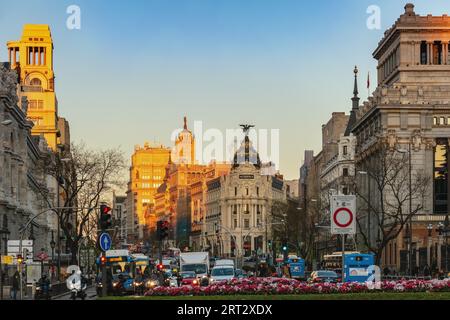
238, 220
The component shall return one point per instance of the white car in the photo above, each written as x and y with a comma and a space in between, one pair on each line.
222, 273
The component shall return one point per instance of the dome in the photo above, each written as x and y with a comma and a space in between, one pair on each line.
246, 154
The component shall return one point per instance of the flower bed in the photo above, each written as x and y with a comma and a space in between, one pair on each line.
274, 286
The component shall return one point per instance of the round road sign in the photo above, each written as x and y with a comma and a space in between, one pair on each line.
343, 217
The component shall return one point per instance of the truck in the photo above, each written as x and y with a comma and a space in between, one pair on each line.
195, 261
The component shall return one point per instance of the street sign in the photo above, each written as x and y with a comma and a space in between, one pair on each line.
7, 259
13, 247
105, 241
343, 214
42, 256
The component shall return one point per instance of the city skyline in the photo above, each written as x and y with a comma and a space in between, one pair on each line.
244, 62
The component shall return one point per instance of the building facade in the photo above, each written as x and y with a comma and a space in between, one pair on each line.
409, 116
238, 207
148, 165
23, 179
32, 58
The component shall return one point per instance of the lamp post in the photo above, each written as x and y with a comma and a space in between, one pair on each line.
410, 205
4, 232
430, 240
444, 230
366, 173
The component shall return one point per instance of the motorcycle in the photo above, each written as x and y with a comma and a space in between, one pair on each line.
42, 291
76, 286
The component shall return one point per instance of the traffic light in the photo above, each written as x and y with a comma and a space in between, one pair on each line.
160, 267
269, 244
102, 260
105, 217
19, 259
163, 230
284, 249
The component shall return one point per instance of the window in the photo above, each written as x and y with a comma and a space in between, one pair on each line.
442, 121
246, 224
423, 53
257, 191
235, 191
247, 211
235, 209
345, 151
246, 191
35, 82
235, 223
345, 172
437, 52
345, 191
441, 177
436, 121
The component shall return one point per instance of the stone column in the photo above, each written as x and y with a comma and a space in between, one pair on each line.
429, 53
430, 242
439, 255
444, 52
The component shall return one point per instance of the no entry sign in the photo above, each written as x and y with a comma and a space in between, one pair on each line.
343, 214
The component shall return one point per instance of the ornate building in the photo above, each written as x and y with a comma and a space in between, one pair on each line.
23, 180
32, 58
409, 115
184, 149
238, 217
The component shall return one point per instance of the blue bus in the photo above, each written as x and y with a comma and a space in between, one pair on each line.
357, 267
296, 267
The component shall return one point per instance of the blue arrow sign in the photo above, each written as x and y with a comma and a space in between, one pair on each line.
105, 241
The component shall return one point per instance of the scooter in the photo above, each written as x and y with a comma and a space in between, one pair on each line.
77, 287
42, 292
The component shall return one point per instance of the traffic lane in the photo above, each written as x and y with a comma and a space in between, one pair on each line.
90, 292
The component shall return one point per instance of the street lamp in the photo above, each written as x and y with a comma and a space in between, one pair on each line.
366, 173
430, 240
444, 229
404, 151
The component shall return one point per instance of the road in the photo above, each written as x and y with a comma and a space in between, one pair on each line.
91, 295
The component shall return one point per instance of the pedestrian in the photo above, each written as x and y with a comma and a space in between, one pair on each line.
15, 284
426, 271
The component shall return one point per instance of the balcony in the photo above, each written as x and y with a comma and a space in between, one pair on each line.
31, 89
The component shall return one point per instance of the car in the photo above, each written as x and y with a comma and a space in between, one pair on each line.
324, 276
222, 273
189, 278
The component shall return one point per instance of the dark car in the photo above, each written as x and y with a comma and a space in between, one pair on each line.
324, 276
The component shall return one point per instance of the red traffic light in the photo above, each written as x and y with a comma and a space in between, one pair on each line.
105, 209
160, 266
102, 259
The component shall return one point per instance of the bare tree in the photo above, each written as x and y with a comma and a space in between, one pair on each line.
393, 200
85, 177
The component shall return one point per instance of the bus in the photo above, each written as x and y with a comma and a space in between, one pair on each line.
333, 261
358, 267
296, 267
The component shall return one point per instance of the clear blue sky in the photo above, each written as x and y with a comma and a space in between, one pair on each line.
137, 67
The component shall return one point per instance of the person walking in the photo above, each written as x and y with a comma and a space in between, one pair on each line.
15, 284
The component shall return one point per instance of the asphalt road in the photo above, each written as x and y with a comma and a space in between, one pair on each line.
91, 295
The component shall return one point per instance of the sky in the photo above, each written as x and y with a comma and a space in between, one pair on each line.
137, 67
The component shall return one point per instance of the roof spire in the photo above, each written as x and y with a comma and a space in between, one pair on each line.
355, 89
355, 105
185, 123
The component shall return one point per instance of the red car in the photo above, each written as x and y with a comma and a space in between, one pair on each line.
189, 278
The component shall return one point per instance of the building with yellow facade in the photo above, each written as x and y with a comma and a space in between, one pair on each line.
148, 165
32, 58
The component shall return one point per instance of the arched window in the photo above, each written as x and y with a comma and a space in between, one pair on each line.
35, 82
